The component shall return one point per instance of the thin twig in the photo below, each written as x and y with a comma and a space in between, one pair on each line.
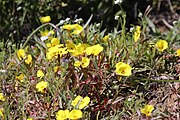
152, 80
89, 20
167, 24
170, 5
158, 5
43, 25
147, 11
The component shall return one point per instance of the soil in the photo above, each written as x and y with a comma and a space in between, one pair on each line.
164, 13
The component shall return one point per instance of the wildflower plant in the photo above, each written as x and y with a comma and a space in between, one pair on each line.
161, 45
45, 19
77, 71
147, 110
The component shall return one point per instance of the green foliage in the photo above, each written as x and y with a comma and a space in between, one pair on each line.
19, 17
112, 96
122, 96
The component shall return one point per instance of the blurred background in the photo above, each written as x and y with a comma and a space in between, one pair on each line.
18, 18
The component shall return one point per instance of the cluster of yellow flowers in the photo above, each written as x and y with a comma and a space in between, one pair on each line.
94, 50
22, 56
81, 52
77, 50
55, 51
84, 63
125, 70
161, 45
78, 103
83, 102
41, 86
65, 114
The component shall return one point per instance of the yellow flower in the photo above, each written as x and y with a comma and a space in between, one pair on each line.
123, 69
147, 110
79, 49
62, 114
70, 46
2, 98
45, 19
54, 42
46, 32
41, 86
137, 33
51, 32
89, 50
77, 64
20, 77
76, 100
68, 27
61, 51
21, 54
53, 52
83, 102
56, 68
161, 45
48, 45
178, 52
105, 38
29, 119
75, 114
29, 59
1, 113
95, 49
85, 62
76, 28
40, 74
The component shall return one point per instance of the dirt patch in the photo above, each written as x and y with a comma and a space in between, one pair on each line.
164, 13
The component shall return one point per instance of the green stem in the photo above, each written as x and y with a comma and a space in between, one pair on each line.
43, 25
37, 29
144, 79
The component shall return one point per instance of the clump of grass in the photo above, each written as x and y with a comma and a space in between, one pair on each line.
76, 71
